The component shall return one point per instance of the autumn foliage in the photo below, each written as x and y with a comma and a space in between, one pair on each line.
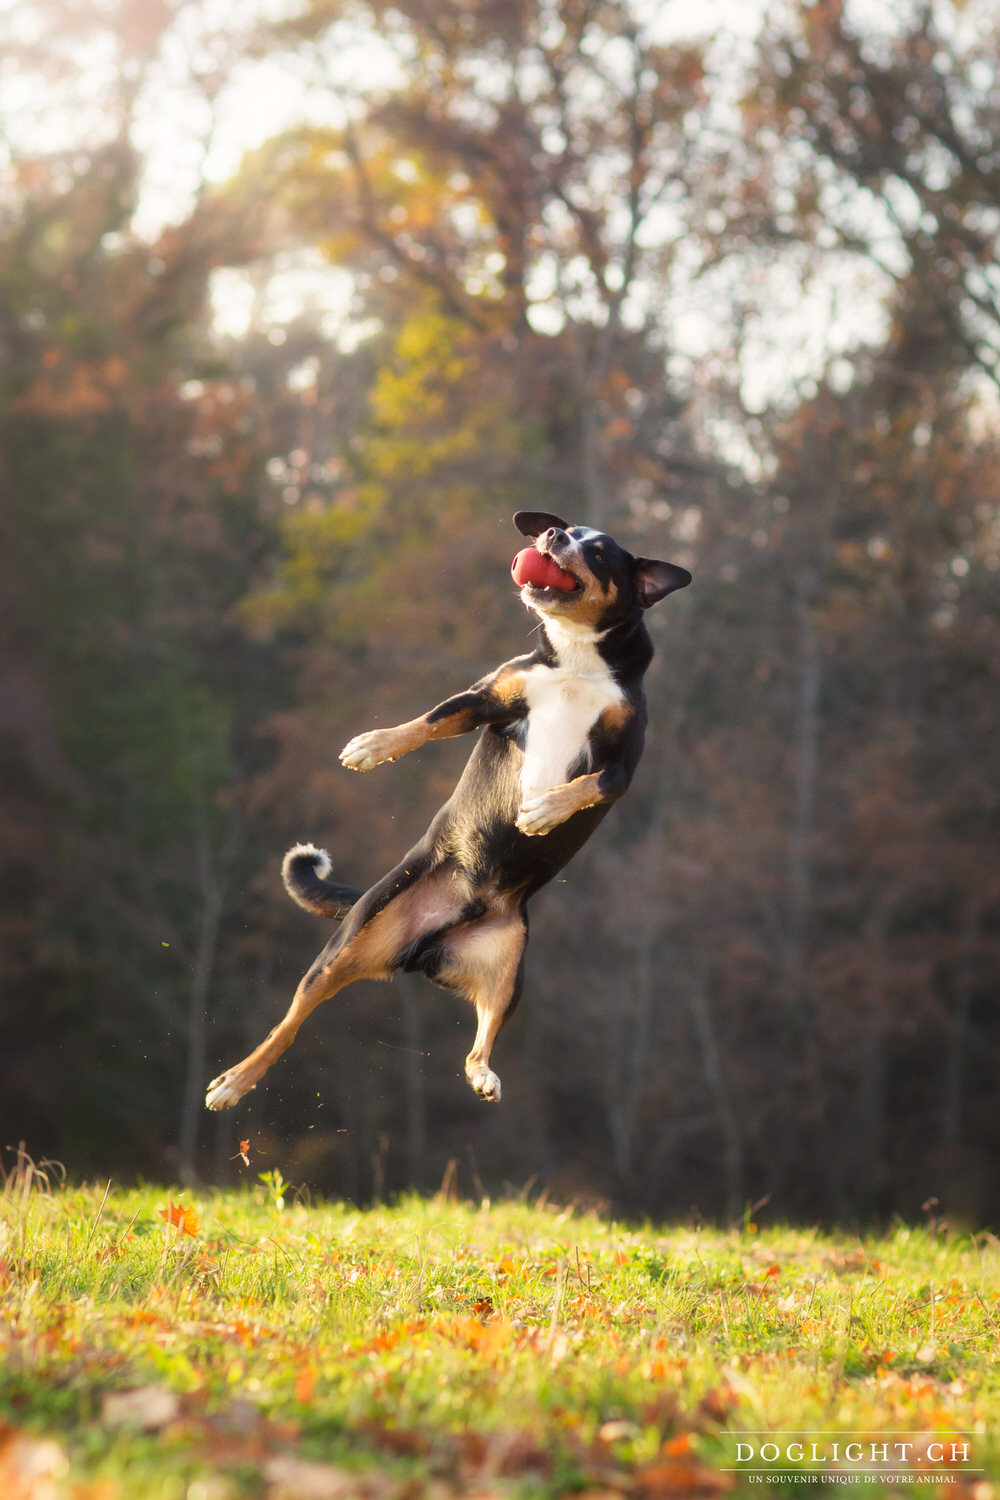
743, 312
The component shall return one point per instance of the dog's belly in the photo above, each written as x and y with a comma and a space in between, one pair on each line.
563, 708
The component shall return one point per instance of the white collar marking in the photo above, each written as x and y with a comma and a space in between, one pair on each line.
564, 703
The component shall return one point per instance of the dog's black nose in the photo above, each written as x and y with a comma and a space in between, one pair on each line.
550, 536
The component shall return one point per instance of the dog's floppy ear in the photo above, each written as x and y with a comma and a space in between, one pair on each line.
533, 522
655, 580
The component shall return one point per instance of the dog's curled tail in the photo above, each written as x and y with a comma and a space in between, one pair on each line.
304, 870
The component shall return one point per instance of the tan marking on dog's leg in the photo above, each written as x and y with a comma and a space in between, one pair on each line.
617, 715
483, 962
370, 954
508, 686
380, 745
316, 986
546, 810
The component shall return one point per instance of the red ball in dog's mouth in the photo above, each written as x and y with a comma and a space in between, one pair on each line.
540, 572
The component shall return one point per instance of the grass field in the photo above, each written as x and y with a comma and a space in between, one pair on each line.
206, 1346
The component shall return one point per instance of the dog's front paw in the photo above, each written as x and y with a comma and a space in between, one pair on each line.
486, 1084
542, 813
225, 1091
368, 750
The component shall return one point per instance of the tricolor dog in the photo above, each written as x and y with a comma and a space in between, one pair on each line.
561, 735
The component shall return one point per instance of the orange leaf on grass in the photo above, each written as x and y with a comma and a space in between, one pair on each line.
139, 1315
185, 1220
717, 1403
680, 1476
305, 1384
486, 1339
30, 1467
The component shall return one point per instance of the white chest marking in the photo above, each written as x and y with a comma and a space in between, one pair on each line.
564, 704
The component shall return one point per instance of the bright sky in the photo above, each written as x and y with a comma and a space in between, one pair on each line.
264, 98
184, 143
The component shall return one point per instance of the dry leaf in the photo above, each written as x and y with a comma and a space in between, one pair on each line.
144, 1410
30, 1468
616, 1430
185, 1220
680, 1476
301, 1479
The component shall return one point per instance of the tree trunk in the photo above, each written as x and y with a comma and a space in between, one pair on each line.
954, 1075
414, 1082
212, 892
623, 1115
725, 1114
803, 817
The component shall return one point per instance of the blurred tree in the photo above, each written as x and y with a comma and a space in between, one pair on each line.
128, 540
903, 161
223, 556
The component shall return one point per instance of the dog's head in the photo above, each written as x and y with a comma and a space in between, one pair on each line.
608, 583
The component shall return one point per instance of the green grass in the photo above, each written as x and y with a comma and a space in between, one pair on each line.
438, 1348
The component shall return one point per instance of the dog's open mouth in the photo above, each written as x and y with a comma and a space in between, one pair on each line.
533, 569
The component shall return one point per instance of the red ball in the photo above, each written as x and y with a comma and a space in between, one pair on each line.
541, 572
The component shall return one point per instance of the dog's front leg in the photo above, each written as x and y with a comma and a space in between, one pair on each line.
376, 747
491, 701
546, 810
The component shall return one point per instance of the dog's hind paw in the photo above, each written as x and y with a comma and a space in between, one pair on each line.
223, 1092
486, 1085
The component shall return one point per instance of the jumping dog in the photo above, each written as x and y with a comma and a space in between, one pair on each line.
562, 734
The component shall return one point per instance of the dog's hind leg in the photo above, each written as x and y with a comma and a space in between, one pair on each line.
484, 961
318, 985
378, 931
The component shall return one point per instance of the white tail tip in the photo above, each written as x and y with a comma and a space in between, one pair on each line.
320, 859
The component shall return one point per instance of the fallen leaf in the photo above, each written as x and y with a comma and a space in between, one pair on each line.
146, 1409
402, 1441
302, 1479
616, 1430
680, 1476
30, 1468
185, 1220
486, 1338
717, 1403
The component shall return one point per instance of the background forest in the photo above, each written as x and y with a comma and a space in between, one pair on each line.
298, 303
